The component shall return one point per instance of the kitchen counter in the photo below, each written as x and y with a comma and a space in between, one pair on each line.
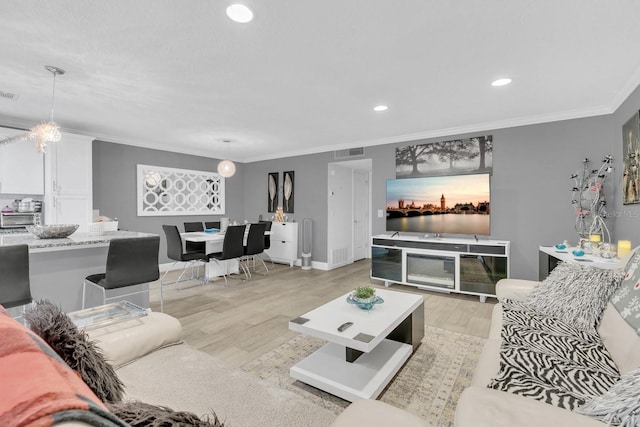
76, 241
57, 267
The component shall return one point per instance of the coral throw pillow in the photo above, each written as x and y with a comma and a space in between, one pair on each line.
37, 388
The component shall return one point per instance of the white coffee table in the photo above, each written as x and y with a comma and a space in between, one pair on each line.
360, 361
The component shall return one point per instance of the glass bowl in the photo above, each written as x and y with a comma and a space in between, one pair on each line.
52, 231
365, 304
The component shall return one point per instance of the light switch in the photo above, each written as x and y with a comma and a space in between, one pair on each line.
380, 213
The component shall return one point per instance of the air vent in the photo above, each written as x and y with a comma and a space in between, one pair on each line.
349, 153
8, 96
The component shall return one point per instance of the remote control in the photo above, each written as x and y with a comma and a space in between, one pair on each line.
344, 326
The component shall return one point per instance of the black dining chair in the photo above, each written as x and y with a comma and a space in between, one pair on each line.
176, 253
15, 285
255, 245
130, 261
267, 239
232, 248
212, 224
194, 246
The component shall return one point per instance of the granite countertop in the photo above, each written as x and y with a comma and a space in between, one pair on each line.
76, 241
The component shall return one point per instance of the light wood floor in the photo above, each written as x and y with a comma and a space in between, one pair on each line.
243, 320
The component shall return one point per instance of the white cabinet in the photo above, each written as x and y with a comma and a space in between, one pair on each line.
21, 166
68, 181
284, 242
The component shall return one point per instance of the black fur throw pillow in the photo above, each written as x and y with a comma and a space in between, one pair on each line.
139, 414
74, 347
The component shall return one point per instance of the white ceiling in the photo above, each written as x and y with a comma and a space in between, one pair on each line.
304, 76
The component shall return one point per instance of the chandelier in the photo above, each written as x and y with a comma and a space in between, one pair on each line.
47, 131
44, 132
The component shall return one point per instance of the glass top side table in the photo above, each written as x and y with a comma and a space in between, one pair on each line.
105, 315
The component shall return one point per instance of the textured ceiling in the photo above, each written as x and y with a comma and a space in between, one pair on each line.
304, 76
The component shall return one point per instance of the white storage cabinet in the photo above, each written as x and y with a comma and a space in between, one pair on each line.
21, 166
68, 181
284, 242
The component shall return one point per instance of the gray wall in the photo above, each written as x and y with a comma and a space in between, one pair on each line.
531, 188
626, 217
310, 192
114, 187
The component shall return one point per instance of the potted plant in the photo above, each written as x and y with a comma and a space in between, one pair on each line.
364, 293
364, 297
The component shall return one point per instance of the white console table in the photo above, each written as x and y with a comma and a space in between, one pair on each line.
549, 257
466, 266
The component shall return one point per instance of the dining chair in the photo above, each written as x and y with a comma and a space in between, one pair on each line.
194, 246
15, 285
176, 253
232, 248
130, 261
255, 245
267, 239
212, 224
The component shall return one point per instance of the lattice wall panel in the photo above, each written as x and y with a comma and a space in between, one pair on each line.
169, 191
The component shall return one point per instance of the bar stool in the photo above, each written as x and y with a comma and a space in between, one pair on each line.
130, 261
15, 286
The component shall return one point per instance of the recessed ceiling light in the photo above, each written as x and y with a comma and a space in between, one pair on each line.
380, 108
239, 13
501, 82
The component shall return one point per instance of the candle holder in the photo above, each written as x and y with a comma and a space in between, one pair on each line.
607, 251
624, 248
588, 200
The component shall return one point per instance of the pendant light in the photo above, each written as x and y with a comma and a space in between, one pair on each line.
44, 132
227, 168
48, 131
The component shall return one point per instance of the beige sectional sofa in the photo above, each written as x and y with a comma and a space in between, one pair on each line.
157, 368
480, 406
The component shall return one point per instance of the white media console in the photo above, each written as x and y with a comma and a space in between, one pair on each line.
466, 266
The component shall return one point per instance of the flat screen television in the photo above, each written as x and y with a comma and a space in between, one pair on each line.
456, 204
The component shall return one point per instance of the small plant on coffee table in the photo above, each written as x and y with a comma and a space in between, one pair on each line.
364, 292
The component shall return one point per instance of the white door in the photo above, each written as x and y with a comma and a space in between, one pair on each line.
340, 218
341, 225
360, 214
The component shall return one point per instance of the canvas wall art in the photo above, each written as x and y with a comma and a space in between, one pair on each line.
288, 186
631, 160
272, 191
454, 157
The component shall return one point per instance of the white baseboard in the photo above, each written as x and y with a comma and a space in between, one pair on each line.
320, 265
316, 265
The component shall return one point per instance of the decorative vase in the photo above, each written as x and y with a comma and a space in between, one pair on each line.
364, 303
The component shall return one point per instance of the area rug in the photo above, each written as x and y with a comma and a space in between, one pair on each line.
428, 385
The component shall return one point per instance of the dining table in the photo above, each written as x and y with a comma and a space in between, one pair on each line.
214, 241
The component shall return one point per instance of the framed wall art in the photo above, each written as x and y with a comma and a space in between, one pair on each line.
454, 157
631, 160
169, 191
272, 191
288, 186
